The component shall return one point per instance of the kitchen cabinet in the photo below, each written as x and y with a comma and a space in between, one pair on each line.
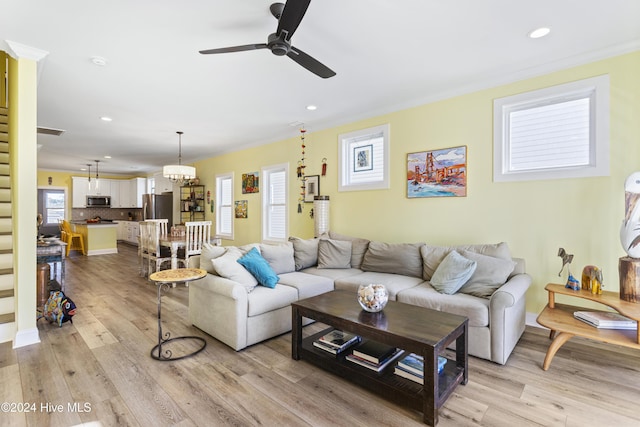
79, 191
120, 194
162, 184
128, 231
137, 187
100, 187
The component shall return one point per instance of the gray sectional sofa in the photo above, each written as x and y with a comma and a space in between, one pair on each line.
481, 282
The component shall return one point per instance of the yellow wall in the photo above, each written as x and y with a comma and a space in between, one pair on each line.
535, 218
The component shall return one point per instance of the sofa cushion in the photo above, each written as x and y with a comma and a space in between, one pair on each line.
488, 277
358, 247
424, 295
453, 272
263, 300
398, 258
432, 256
393, 282
305, 252
279, 257
308, 285
209, 252
332, 273
227, 266
334, 254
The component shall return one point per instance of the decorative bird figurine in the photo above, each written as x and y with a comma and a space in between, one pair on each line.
572, 282
566, 259
630, 229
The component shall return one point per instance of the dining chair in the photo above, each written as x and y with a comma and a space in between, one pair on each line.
163, 223
197, 233
152, 251
74, 241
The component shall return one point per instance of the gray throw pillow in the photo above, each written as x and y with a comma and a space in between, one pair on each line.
397, 258
490, 274
358, 247
334, 254
279, 257
209, 252
305, 252
432, 256
227, 266
452, 273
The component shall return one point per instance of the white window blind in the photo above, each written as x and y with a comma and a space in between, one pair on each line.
275, 205
551, 133
224, 202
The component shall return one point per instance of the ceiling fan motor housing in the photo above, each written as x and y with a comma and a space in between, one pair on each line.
278, 45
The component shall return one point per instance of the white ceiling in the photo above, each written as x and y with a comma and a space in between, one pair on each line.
388, 55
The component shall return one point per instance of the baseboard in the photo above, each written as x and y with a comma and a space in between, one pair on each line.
102, 251
531, 319
25, 338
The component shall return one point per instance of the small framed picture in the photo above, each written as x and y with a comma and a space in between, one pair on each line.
363, 158
312, 188
250, 182
241, 208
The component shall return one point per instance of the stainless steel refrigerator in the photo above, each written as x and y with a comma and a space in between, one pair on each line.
158, 206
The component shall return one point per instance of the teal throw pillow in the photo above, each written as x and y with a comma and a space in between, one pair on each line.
452, 273
259, 268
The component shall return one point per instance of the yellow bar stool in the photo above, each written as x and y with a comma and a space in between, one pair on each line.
74, 240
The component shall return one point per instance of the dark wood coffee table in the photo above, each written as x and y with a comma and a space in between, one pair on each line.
414, 329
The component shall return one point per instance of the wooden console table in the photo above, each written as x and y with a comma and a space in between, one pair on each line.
559, 318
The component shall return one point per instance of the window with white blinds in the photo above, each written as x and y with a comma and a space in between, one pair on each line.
364, 159
275, 196
224, 205
558, 132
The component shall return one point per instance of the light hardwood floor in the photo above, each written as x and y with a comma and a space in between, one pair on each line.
98, 371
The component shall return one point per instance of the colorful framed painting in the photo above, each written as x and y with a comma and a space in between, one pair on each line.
437, 173
250, 182
363, 158
241, 208
311, 188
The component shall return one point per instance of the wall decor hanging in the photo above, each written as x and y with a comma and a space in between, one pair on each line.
312, 188
437, 173
250, 182
241, 208
300, 172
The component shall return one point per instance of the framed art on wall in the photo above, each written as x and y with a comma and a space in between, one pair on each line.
250, 182
437, 173
312, 188
363, 158
241, 208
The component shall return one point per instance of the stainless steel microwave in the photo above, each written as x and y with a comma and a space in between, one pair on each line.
98, 201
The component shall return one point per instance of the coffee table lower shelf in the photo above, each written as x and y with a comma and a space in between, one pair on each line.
385, 383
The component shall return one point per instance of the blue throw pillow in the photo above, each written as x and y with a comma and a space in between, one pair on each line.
259, 268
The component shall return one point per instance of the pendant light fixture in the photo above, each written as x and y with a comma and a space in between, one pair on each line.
179, 173
89, 171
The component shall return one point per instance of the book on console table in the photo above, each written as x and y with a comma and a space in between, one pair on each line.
372, 365
606, 320
414, 363
336, 341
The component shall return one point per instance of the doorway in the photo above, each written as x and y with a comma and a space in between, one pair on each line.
51, 205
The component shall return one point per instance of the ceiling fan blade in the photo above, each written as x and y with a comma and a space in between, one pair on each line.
292, 15
235, 48
310, 63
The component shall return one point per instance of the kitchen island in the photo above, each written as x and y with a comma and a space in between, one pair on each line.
99, 237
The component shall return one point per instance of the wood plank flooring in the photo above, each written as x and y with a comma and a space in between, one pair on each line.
97, 371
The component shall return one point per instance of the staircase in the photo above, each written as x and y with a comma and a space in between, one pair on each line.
7, 303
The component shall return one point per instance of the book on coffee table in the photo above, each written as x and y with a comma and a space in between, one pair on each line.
606, 319
414, 363
375, 366
373, 351
336, 341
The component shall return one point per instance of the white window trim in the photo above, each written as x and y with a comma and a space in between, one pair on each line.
218, 202
266, 177
344, 159
598, 90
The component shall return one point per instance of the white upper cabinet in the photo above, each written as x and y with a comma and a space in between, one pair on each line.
137, 187
79, 191
162, 184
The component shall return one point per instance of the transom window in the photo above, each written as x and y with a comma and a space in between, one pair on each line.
557, 132
364, 159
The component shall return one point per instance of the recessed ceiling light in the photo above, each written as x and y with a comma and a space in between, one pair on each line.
106, 119
107, 157
312, 107
99, 61
539, 32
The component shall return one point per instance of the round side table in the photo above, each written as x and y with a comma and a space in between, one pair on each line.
163, 279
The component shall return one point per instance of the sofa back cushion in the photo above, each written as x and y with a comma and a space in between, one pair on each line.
432, 256
397, 258
358, 247
208, 253
334, 254
279, 257
305, 252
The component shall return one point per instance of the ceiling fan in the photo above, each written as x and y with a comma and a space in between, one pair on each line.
289, 16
